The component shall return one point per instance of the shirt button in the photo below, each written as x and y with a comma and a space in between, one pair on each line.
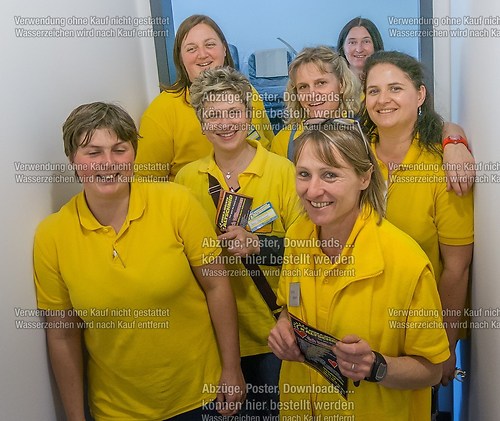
105, 230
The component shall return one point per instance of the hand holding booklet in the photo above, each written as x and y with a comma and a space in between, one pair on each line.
232, 209
317, 349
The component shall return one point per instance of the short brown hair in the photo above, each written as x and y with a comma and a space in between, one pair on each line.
87, 118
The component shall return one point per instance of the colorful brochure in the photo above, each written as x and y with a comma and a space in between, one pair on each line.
233, 209
317, 349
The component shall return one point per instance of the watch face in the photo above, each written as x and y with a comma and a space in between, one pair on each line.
381, 372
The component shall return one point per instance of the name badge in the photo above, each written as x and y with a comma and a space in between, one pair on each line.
260, 216
294, 294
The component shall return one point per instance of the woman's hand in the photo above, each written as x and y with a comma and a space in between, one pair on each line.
239, 241
449, 369
282, 340
354, 357
231, 392
460, 168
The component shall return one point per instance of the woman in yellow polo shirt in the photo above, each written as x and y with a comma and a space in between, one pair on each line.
171, 134
322, 86
222, 100
131, 267
353, 275
405, 132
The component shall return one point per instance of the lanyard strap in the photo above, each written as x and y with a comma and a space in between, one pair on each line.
254, 270
291, 146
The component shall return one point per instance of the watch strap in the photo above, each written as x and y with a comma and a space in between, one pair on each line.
379, 361
455, 140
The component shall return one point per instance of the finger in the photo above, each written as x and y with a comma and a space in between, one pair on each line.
457, 188
227, 235
233, 402
351, 339
449, 187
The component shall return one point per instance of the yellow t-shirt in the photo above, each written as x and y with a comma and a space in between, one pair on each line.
144, 309
381, 282
171, 134
268, 178
418, 204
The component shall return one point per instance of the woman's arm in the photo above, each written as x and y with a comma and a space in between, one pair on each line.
355, 359
452, 288
222, 308
66, 356
459, 164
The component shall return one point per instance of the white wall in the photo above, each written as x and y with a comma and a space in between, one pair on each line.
475, 91
42, 80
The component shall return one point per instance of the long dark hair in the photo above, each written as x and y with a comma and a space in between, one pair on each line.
429, 124
378, 43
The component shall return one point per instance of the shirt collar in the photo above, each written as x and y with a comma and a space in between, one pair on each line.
256, 166
136, 207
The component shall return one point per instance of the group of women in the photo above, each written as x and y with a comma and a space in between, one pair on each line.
377, 243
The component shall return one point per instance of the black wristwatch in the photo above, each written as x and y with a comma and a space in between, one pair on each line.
379, 369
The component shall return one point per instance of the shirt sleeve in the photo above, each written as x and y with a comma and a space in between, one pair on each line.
425, 333
197, 232
156, 142
454, 218
51, 290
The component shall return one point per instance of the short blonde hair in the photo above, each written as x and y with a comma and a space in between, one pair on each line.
223, 80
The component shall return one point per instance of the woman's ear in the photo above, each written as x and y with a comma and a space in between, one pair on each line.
422, 93
366, 178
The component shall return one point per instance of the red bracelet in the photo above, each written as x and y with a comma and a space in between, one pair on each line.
455, 140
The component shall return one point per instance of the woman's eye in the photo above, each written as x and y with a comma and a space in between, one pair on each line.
302, 174
330, 176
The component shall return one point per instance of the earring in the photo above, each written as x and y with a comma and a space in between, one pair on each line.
419, 111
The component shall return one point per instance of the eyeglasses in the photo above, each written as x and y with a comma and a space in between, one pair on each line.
337, 124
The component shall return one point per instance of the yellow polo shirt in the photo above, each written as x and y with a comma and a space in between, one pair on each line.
377, 289
144, 309
418, 204
268, 178
172, 136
